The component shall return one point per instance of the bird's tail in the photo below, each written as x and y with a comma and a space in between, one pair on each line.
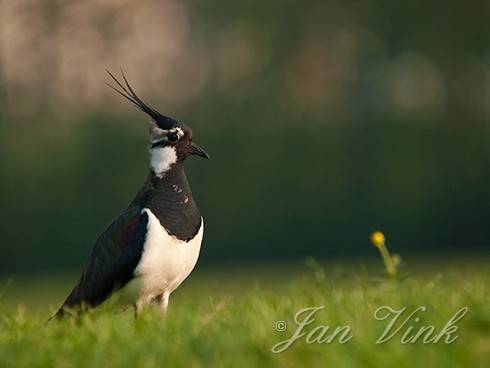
72, 301
58, 315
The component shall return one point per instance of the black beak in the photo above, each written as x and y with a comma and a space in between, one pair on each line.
196, 150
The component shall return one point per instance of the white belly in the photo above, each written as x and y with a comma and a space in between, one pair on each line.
166, 261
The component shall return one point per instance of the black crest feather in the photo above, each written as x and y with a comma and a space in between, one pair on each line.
128, 93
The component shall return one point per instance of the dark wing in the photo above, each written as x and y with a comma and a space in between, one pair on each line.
112, 261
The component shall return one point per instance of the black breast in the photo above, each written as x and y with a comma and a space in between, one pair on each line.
170, 199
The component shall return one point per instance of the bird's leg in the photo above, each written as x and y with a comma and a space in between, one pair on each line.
135, 310
164, 302
140, 303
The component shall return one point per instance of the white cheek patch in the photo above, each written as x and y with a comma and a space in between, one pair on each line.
162, 158
158, 135
180, 132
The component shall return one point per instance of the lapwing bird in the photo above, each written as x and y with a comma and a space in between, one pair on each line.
151, 247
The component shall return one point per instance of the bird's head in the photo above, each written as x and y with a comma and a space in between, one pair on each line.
170, 140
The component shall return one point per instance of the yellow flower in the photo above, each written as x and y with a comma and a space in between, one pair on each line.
377, 238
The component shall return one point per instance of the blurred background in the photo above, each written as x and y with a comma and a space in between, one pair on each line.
325, 120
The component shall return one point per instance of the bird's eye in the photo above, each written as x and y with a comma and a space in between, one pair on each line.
172, 137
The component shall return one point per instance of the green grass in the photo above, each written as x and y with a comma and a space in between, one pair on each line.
227, 318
